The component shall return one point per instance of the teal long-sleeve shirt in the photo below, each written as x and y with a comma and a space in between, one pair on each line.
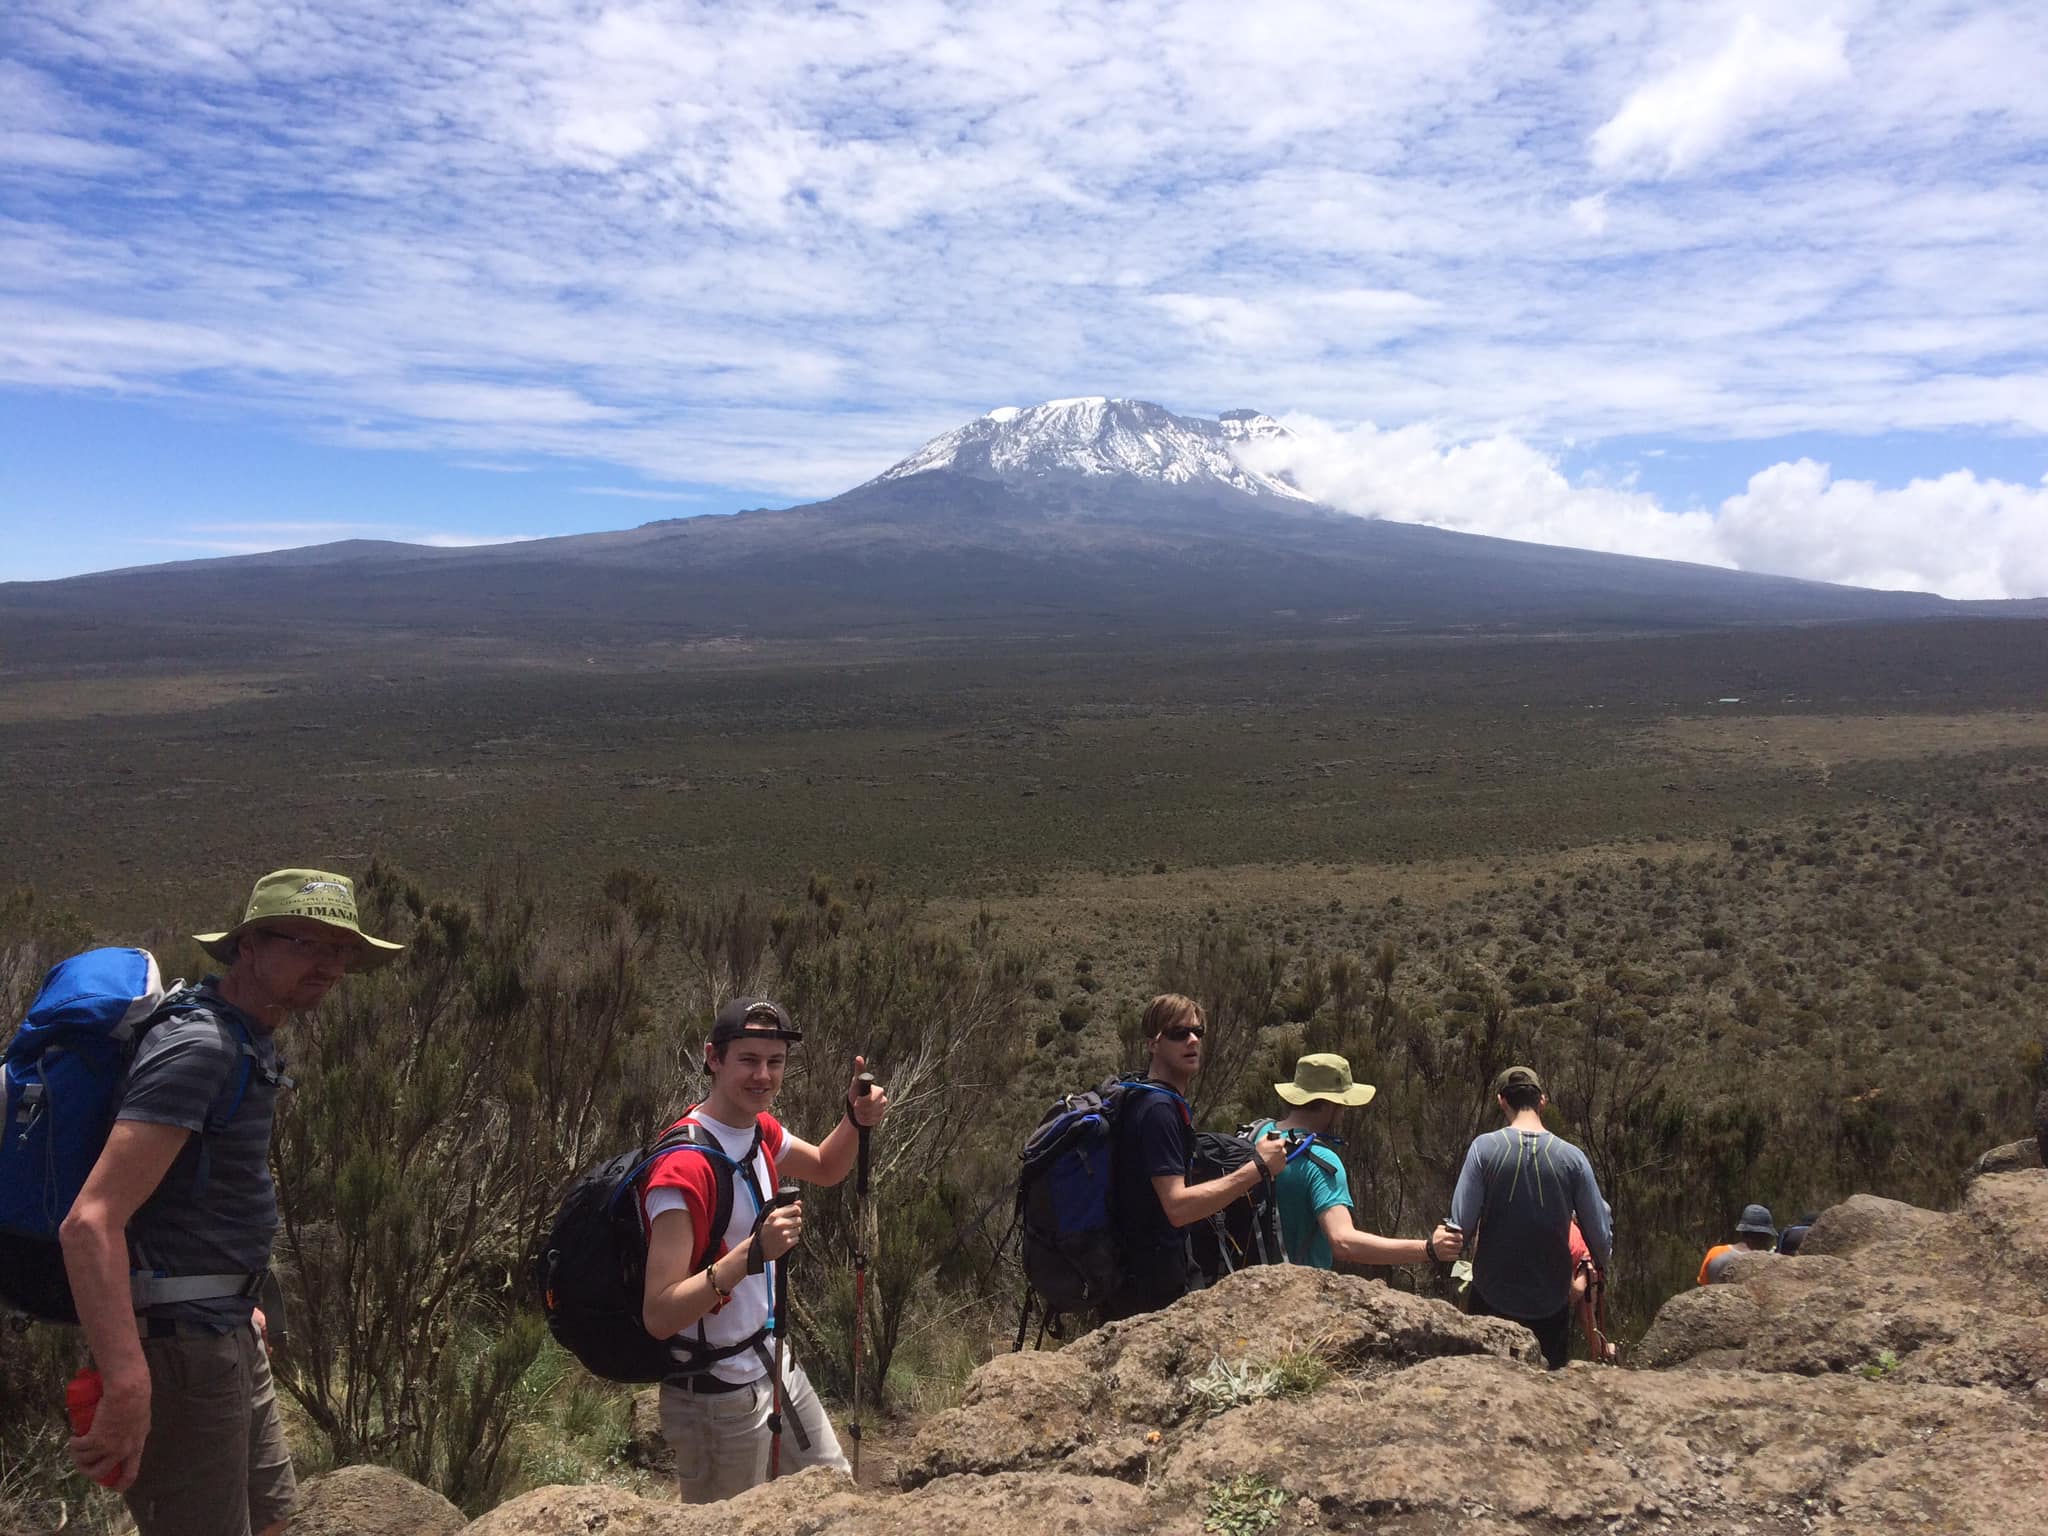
1516, 1199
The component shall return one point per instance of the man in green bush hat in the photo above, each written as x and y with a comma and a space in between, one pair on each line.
1313, 1190
170, 1238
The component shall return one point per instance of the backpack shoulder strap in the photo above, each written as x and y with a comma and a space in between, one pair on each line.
1146, 1085
689, 1136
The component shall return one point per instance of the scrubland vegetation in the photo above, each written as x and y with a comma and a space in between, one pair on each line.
1751, 965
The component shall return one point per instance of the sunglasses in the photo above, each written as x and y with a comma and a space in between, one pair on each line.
1180, 1032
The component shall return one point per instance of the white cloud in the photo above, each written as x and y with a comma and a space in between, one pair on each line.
1958, 535
1671, 124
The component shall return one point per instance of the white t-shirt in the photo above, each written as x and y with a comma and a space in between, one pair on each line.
752, 1298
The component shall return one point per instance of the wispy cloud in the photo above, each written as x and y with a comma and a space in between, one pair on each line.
1671, 124
632, 494
773, 247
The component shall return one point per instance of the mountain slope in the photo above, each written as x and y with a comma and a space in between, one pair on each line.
1076, 517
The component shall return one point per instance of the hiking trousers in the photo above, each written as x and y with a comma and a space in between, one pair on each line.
1553, 1333
215, 1462
720, 1439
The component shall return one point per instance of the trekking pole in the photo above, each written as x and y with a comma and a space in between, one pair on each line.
783, 1196
862, 1085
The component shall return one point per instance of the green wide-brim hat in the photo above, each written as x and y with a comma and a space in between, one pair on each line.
1323, 1076
314, 894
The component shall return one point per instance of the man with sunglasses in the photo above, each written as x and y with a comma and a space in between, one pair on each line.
1153, 1146
170, 1238
1313, 1190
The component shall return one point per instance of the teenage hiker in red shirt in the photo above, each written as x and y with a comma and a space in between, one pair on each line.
1589, 1297
712, 1293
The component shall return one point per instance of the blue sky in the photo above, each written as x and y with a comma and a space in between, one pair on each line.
1756, 284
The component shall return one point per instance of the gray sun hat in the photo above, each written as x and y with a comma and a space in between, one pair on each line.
1756, 1219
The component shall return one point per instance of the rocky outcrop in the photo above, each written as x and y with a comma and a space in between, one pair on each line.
371, 1501
2013, 1157
1892, 1378
1116, 1401
1886, 1290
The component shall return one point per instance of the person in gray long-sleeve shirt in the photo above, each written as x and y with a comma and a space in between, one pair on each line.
1517, 1196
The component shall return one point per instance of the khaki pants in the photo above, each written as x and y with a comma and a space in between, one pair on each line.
215, 1462
721, 1439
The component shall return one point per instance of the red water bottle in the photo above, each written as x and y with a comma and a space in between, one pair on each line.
82, 1396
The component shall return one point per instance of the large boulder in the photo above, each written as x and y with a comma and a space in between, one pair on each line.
1114, 1401
1886, 1290
1478, 1444
371, 1501
821, 1503
2013, 1157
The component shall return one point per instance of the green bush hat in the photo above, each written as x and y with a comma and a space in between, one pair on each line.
1323, 1076
1517, 1077
329, 900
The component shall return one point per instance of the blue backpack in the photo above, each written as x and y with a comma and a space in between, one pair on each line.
1066, 1201
60, 1084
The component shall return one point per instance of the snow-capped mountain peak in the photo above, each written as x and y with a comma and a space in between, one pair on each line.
1094, 436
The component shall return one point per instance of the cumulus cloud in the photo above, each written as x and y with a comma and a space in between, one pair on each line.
1672, 123
1957, 534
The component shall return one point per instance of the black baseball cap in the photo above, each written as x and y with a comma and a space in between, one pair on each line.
754, 1016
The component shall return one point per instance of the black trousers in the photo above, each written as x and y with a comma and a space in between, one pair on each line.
1553, 1333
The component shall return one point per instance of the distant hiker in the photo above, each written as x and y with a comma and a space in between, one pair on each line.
170, 1238
712, 1292
1517, 1195
1314, 1190
1793, 1238
1154, 1142
1589, 1297
1754, 1233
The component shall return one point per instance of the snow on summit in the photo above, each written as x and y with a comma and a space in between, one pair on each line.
1093, 436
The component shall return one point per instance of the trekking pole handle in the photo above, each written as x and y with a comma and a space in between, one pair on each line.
862, 1087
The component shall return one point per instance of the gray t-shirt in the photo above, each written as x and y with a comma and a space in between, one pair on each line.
216, 1210
1517, 1197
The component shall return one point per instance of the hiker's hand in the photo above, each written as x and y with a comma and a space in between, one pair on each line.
867, 1108
262, 1326
1447, 1243
110, 1453
780, 1230
1271, 1151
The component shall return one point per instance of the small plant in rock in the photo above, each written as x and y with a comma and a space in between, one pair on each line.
1885, 1363
1225, 1385
1247, 1505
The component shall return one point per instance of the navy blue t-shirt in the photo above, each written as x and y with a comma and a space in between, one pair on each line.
1154, 1136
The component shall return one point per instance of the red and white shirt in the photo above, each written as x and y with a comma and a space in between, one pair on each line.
687, 1180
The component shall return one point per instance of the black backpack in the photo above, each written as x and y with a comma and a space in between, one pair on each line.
1244, 1232
1066, 1201
590, 1271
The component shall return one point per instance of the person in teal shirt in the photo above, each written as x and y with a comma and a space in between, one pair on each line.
1314, 1192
